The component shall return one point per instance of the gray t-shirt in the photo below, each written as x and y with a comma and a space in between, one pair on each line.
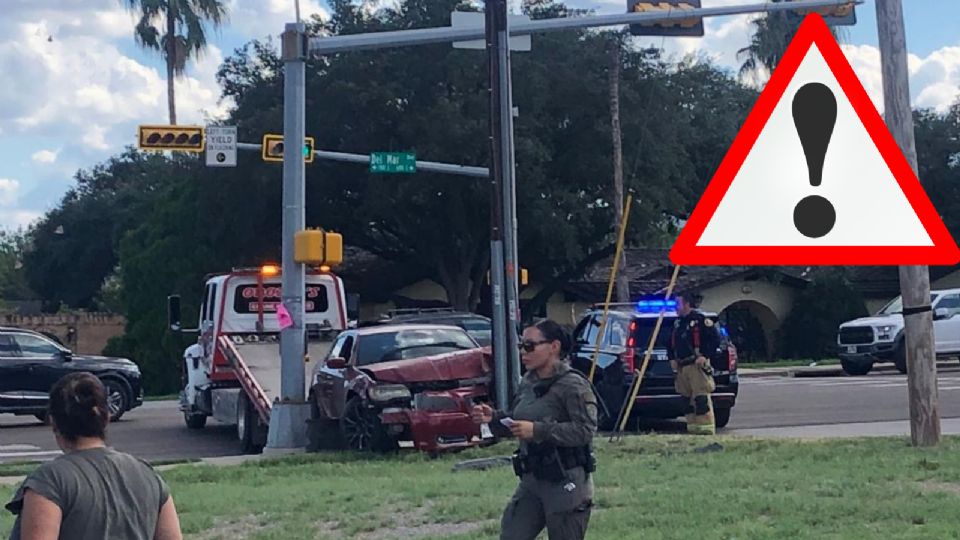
102, 494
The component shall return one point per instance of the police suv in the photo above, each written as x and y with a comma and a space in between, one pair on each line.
865, 341
622, 348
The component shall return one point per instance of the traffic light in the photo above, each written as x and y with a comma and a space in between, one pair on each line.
692, 27
182, 138
272, 148
316, 246
842, 15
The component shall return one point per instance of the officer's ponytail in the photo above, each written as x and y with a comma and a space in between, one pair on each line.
554, 332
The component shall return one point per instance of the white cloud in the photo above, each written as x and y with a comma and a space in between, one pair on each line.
261, 18
85, 89
15, 219
9, 190
45, 156
934, 80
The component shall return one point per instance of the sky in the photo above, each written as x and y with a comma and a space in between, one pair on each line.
74, 85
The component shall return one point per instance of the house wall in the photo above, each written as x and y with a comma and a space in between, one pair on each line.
93, 330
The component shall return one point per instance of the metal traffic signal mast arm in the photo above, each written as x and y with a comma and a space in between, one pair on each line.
428, 166
445, 34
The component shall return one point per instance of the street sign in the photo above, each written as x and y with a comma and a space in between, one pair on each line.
476, 19
692, 27
393, 162
221, 146
814, 177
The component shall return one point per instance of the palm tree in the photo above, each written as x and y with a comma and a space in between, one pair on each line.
182, 37
772, 33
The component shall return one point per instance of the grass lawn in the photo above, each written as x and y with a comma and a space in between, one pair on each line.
649, 487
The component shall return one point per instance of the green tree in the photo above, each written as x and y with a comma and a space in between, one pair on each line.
810, 330
772, 33
73, 248
182, 37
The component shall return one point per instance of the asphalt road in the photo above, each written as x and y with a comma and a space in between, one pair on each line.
776, 406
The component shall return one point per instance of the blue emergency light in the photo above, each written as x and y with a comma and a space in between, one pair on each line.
655, 306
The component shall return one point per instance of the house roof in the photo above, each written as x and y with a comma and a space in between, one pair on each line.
649, 271
884, 281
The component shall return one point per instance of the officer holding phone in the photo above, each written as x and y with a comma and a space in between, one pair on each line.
554, 415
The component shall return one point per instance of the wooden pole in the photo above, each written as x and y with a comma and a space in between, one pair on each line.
914, 280
627, 407
623, 282
613, 277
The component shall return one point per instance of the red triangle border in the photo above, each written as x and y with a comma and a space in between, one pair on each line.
814, 30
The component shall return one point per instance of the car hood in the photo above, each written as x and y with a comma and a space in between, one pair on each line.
883, 320
103, 362
453, 366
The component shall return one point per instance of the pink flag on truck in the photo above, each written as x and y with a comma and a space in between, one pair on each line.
283, 316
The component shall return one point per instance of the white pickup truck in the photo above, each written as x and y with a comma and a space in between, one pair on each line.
865, 341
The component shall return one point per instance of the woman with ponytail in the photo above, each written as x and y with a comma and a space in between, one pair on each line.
91, 491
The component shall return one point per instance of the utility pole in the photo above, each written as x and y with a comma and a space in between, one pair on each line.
623, 283
509, 177
501, 356
914, 280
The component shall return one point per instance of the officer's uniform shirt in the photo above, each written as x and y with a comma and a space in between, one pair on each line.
566, 415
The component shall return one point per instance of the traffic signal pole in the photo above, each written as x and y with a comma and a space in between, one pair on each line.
288, 419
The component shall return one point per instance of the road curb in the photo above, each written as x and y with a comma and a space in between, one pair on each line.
821, 371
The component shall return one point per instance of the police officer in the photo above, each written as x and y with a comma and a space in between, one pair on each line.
554, 415
694, 336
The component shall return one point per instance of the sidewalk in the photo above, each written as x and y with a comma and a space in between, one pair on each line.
823, 371
896, 428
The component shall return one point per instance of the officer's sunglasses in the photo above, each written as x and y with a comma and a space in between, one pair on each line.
529, 346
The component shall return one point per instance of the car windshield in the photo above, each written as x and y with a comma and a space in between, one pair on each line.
645, 328
896, 306
411, 343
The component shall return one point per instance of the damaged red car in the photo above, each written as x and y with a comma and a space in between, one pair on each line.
380, 386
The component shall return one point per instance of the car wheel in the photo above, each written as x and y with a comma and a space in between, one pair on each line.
195, 421
361, 429
323, 433
900, 358
722, 417
247, 424
117, 399
855, 368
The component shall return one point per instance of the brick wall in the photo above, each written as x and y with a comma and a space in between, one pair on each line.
91, 330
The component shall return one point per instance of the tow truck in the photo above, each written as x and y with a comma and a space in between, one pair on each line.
232, 372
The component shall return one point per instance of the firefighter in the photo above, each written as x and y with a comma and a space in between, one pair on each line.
554, 415
694, 337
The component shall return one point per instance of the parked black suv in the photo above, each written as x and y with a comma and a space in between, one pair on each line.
31, 363
478, 326
622, 348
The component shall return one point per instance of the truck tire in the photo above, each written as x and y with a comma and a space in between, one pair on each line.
855, 368
195, 420
721, 416
247, 426
361, 429
900, 358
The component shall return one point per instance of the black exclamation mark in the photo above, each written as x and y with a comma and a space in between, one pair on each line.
814, 115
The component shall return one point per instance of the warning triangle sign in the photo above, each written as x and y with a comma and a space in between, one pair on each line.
814, 177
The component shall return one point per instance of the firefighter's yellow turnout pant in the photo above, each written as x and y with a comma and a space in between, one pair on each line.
696, 385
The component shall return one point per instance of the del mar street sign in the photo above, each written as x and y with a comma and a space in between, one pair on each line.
393, 162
